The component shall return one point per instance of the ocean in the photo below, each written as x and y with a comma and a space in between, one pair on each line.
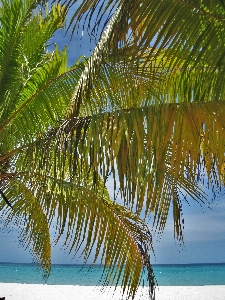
166, 275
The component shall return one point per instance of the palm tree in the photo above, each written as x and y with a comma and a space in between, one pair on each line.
41, 179
146, 108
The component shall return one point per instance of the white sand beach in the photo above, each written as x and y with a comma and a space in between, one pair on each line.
14, 291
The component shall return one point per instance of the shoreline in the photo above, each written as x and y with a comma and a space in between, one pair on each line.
20, 291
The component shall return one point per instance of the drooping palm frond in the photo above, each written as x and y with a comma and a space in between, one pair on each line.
84, 220
30, 219
144, 145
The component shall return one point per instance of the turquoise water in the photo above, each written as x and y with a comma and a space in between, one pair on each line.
174, 275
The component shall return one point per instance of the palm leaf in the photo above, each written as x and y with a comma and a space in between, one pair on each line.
28, 216
146, 156
84, 220
27, 74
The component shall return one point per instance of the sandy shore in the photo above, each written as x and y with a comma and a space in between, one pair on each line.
14, 291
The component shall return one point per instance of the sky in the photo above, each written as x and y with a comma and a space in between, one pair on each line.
204, 231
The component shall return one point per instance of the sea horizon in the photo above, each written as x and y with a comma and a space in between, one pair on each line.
193, 274
88, 264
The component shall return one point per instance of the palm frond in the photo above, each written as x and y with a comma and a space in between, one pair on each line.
85, 219
189, 35
164, 24
20, 59
28, 216
93, 64
41, 102
156, 151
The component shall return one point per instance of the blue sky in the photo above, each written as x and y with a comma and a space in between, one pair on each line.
204, 233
